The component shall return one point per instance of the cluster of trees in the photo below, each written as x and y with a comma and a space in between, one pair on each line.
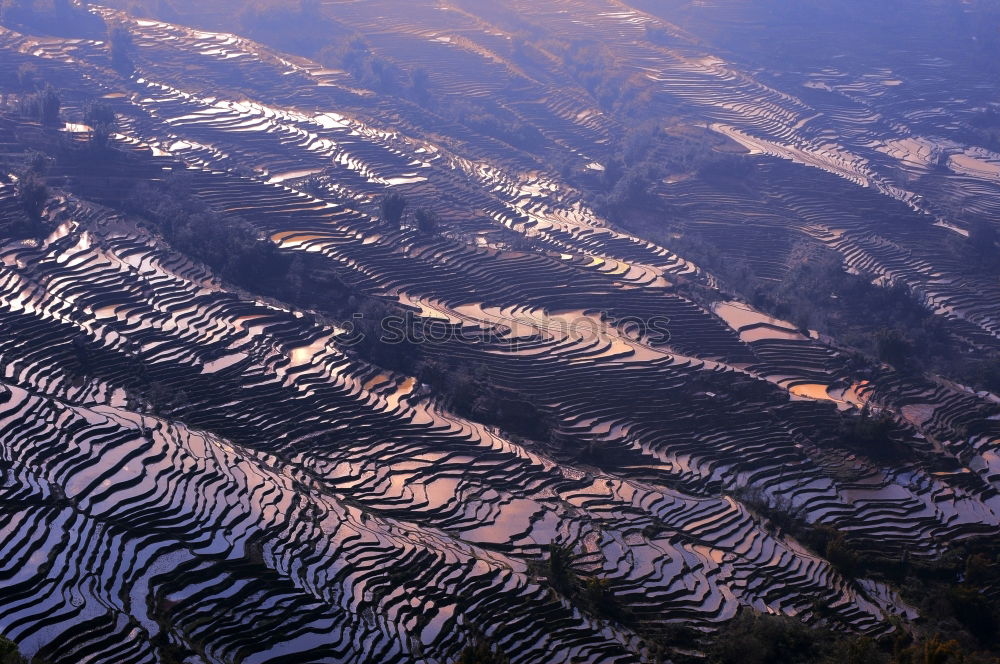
392, 211
753, 638
493, 121
629, 173
32, 194
595, 68
103, 122
9, 653
470, 390
833, 545
229, 245
42, 102
32, 190
391, 208
658, 35
958, 594
354, 56
42, 105
872, 436
464, 386
979, 370
591, 594
642, 156
882, 320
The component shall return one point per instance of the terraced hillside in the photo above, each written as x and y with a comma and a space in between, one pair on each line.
200, 465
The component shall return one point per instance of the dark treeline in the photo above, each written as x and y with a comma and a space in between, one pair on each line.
230, 246
646, 153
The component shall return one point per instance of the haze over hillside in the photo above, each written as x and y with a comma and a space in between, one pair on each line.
577, 331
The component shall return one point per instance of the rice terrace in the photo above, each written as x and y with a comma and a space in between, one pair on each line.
499, 332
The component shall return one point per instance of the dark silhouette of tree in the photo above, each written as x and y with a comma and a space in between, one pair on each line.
480, 653
871, 435
597, 596
101, 119
495, 122
560, 569
751, 638
932, 651
427, 221
27, 76
892, 346
392, 207
841, 555
121, 46
42, 106
420, 84
9, 653
980, 570
295, 279
36, 162
33, 193
50, 104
